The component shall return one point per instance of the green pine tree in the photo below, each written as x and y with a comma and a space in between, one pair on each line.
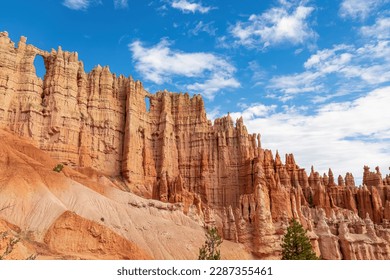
296, 245
210, 249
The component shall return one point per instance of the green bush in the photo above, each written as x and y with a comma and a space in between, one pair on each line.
58, 168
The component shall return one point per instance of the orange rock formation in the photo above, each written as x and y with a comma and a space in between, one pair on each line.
202, 173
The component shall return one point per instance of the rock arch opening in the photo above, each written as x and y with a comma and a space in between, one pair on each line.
147, 103
39, 64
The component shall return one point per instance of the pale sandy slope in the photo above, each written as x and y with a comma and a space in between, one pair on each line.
75, 215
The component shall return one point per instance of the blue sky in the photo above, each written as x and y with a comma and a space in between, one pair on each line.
313, 77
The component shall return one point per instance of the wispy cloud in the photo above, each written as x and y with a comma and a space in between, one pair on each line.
219, 80
160, 64
121, 4
380, 30
287, 23
190, 7
259, 75
290, 85
203, 27
369, 63
366, 66
255, 110
77, 4
359, 9
336, 135
214, 113
82, 5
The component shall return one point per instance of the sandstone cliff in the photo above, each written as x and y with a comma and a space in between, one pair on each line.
217, 172
74, 215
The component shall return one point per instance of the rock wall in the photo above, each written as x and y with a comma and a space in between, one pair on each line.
172, 153
78, 118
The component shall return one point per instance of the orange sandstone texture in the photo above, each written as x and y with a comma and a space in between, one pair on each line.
203, 173
74, 215
72, 235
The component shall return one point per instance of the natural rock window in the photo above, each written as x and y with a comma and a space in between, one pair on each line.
147, 103
39, 65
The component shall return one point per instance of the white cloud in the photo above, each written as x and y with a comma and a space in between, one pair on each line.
344, 136
378, 50
370, 63
76, 4
363, 67
120, 4
359, 9
255, 110
214, 113
380, 30
284, 24
218, 81
82, 5
189, 7
329, 60
160, 64
290, 85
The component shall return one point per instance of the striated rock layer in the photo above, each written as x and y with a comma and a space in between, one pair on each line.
171, 152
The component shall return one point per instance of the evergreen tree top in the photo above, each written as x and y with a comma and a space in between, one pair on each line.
296, 245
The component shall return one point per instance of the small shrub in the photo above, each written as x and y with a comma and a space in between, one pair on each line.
58, 168
10, 247
210, 249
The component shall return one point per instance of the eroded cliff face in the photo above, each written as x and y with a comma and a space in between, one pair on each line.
172, 153
78, 118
